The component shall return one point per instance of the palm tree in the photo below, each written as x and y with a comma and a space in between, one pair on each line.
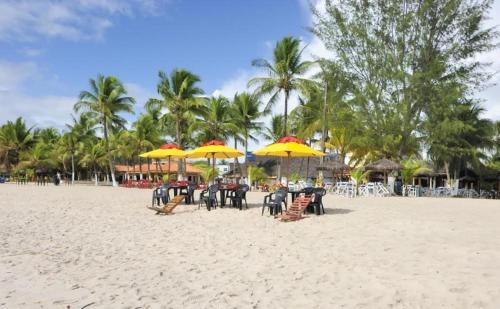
36, 157
284, 73
179, 96
215, 122
106, 99
245, 112
276, 130
46, 135
69, 143
95, 155
358, 175
128, 148
14, 138
146, 136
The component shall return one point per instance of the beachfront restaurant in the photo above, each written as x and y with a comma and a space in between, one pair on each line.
155, 171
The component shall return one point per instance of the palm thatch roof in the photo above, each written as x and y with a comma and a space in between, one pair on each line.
304, 167
384, 165
333, 163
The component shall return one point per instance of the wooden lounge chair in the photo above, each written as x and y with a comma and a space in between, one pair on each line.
169, 207
296, 210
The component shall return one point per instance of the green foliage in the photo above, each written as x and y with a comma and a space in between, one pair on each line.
295, 177
276, 130
207, 172
403, 57
214, 121
285, 74
15, 137
104, 103
359, 175
256, 174
245, 111
410, 169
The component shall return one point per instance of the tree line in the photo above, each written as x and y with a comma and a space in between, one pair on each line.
401, 83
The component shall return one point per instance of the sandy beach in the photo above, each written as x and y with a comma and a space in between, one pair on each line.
100, 247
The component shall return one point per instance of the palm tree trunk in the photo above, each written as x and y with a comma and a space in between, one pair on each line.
128, 169
149, 169
96, 181
110, 159
72, 168
285, 129
140, 168
237, 166
180, 166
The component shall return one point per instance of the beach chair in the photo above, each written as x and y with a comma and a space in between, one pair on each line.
295, 211
160, 194
208, 197
274, 201
169, 207
317, 201
189, 193
237, 199
232, 194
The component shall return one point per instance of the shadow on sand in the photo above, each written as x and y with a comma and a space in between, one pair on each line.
337, 211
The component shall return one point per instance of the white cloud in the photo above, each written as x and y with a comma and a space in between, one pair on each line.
45, 110
13, 74
25, 20
31, 52
42, 111
237, 84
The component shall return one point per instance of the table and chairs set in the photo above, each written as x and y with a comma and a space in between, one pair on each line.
234, 193
161, 194
275, 201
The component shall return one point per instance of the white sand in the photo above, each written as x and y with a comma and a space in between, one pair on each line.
79, 245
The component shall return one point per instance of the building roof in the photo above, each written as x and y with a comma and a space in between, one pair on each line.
297, 166
190, 169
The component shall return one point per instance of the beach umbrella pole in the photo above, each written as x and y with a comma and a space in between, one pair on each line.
213, 168
168, 173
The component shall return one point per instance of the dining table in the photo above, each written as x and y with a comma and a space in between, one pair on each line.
178, 186
225, 188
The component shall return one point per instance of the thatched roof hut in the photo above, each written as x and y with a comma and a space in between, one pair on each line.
384, 165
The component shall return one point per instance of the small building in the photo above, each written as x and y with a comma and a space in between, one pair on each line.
156, 171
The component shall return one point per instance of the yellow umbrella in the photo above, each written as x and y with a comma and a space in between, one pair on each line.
165, 151
288, 147
214, 150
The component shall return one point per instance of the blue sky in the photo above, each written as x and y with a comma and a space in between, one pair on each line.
49, 49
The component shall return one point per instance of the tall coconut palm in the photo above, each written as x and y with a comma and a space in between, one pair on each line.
105, 101
179, 93
285, 73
